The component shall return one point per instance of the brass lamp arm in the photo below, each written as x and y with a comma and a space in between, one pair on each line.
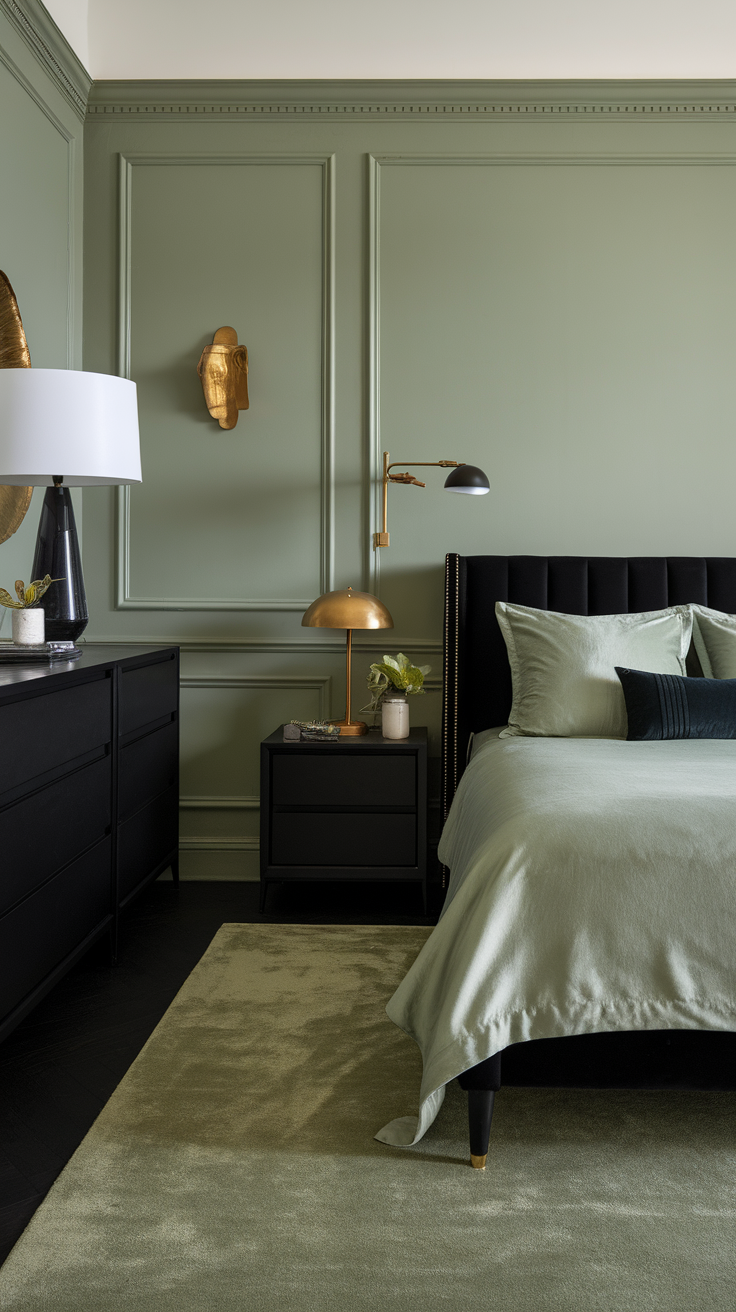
381, 539
444, 464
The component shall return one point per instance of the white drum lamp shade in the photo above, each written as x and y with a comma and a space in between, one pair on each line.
80, 426
62, 428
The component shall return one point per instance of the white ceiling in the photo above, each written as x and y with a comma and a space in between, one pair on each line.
401, 38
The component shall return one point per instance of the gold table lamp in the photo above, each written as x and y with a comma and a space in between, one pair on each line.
348, 610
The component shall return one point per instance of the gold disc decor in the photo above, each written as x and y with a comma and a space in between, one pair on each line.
14, 354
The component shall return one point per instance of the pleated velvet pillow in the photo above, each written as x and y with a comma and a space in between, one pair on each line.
563, 667
666, 706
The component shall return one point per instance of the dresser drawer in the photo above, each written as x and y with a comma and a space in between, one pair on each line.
46, 732
345, 779
48, 829
344, 839
146, 839
147, 694
47, 927
147, 767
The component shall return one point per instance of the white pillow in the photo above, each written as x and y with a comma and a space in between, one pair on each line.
714, 639
563, 666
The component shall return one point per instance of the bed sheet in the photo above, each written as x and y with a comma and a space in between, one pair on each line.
593, 888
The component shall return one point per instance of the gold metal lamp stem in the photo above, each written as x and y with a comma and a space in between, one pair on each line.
348, 727
382, 539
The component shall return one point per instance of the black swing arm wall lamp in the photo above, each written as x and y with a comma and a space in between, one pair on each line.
464, 478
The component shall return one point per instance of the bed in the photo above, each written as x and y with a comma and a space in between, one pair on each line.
587, 934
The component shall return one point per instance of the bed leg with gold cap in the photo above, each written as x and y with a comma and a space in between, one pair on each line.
481, 1083
480, 1113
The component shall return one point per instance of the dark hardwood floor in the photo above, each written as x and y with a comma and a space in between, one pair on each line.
60, 1066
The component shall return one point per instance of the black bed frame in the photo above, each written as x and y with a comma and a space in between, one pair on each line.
476, 696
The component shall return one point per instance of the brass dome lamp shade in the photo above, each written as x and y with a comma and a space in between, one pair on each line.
348, 610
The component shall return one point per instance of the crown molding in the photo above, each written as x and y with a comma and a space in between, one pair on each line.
40, 33
415, 99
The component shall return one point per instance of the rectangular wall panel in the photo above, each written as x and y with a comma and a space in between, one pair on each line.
242, 242
566, 324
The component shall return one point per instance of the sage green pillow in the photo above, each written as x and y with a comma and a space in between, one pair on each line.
714, 639
563, 667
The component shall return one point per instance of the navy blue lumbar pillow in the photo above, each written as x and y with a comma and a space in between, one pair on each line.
671, 706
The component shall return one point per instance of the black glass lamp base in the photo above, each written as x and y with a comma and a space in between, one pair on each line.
57, 554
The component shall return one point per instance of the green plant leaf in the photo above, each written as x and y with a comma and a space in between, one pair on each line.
400, 672
27, 596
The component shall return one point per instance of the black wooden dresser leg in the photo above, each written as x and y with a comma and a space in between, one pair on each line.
480, 1112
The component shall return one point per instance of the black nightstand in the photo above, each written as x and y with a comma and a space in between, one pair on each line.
354, 809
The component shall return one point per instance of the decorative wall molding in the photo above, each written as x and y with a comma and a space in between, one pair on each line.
40, 33
124, 600
275, 646
321, 683
417, 99
376, 162
219, 845
374, 444
206, 803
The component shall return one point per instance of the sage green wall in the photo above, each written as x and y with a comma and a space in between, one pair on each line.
542, 285
42, 94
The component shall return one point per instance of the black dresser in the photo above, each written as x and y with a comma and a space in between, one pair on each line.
351, 809
89, 800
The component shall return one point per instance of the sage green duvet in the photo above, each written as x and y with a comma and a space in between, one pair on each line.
593, 887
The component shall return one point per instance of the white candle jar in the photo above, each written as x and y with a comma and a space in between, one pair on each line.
395, 717
28, 627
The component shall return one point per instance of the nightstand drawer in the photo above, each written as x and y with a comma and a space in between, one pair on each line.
344, 839
344, 779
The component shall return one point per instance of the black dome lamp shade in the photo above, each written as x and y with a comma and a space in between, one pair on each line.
468, 478
464, 478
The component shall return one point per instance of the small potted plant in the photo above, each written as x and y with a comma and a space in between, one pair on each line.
390, 682
28, 617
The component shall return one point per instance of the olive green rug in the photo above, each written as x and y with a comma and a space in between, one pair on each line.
234, 1169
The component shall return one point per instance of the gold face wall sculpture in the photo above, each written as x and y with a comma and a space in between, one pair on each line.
223, 369
14, 354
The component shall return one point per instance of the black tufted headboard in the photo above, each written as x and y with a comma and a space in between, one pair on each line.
476, 692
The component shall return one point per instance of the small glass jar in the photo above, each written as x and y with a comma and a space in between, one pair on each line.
395, 716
